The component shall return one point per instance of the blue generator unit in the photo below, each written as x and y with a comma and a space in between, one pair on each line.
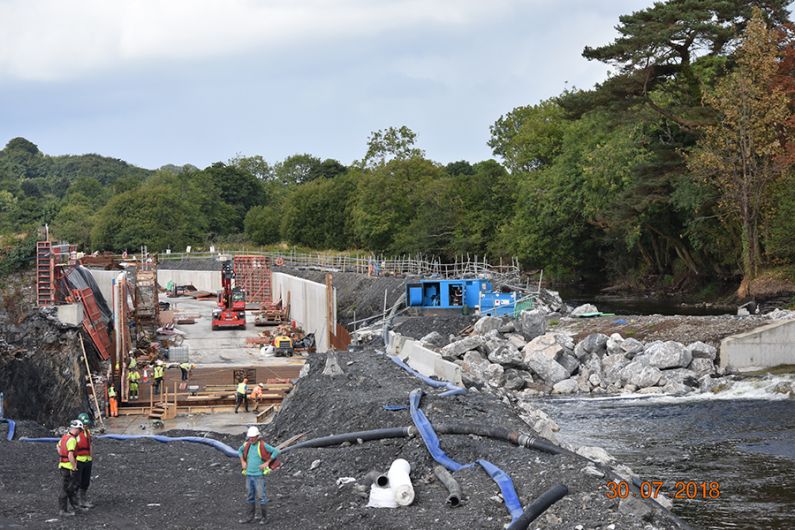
446, 294
497, 304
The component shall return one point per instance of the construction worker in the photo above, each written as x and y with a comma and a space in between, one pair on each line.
185, 368
133, 376
67, 466
84, 456
240, 394
133, 361
256, 465
158, 372
113, 402
256, 395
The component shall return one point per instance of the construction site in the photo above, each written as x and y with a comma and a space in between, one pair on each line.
354, 373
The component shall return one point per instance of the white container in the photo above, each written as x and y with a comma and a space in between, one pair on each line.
381, 497
400, 482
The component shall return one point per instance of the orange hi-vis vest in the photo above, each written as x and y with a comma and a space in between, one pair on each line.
83, 451
63, 452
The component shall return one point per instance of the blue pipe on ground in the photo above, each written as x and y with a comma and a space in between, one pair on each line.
452, 390
505, 483
429, 435
225, 449
11, 425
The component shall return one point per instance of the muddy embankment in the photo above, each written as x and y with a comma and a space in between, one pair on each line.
41, 368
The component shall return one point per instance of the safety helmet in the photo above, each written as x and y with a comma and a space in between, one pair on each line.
262, 385
85, 418
76, 424
252, 432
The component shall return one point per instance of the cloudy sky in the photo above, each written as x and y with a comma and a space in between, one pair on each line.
197, 81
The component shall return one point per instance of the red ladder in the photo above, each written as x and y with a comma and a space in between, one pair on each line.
45, 288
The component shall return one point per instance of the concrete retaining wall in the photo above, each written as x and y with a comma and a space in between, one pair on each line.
425, 361
201, 280
307, 305
765, 347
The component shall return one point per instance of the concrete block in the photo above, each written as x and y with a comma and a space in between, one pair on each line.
70, 314
764, 347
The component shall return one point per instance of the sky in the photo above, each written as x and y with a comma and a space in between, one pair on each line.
157, 82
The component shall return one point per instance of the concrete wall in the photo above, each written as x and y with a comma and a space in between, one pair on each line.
307, 305
425, 361
201, 280
765, 347
104, 280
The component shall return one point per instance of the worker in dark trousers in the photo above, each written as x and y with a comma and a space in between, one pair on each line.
185, 368
159, 372
85, 457
67, 466
240, 394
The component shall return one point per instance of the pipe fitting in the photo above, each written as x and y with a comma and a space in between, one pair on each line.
453, 488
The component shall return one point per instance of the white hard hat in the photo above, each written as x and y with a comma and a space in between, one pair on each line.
252, 432
77, 424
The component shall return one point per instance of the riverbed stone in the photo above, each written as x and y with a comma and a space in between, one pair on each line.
594, 380
567, 386
701, 350
532, 324
547, 369
611, 368
546, 344
651, 390
566, 341
477, 371
583, 384
668, 354
459, 348
640, 374
684, 376
507, 327
507, 355
584, 309
486, 324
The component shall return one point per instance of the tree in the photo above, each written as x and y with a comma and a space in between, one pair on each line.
296, 169
262, 224
529, 137
391, 144
238, 188
316, 214
739, 153
256, 165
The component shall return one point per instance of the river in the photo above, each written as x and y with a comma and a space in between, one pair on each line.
744, 439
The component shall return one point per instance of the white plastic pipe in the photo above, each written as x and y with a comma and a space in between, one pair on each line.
400, 482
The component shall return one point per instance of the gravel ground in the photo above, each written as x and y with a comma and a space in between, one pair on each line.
418, 327
146, 484
684, 329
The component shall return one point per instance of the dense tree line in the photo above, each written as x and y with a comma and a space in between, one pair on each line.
676, 168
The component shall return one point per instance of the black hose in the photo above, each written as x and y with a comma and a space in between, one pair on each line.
539, 506
444, 476
499, 433
336, 439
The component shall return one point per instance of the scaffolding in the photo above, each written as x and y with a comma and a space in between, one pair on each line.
253, 275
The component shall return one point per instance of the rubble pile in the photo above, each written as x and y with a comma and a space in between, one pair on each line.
41, 369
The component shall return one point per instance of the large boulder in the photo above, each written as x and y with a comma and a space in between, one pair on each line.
565, 340
514, 379
668, 354
631, 347
595, 343
681, 376
614, 343
552, 300
611, 368
532, 324
478, 372
701, 350
640, 374
459, 348
486, 324
584, 309
567, 386
507, 327
434, 338
569, 362
547, 344
517, 340
547, 369
507, 355
702, 366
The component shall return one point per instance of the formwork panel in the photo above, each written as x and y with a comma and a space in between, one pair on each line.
253, 275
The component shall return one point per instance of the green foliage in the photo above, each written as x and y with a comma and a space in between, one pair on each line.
263, 223
316, 214
18, 256
779, 230
393, 143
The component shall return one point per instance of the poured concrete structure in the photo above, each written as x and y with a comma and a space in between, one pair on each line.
765, 347
425, 361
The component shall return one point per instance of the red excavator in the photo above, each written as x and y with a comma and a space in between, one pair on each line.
231, 310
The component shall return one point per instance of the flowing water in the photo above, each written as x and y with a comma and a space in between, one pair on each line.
742, 438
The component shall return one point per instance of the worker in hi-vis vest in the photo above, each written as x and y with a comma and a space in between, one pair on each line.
240, 394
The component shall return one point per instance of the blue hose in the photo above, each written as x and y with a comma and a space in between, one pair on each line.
225, 449
11, 424
429, 435
452, 390
506, 487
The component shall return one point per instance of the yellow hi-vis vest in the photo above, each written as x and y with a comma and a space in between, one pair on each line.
241, 388
158, 373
